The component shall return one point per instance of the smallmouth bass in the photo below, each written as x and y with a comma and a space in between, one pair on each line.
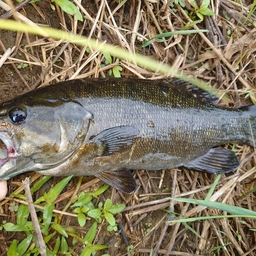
107, 127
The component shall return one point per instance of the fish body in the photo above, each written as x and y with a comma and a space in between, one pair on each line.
107, 127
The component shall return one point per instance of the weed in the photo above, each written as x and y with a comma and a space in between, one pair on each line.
202, 10
116, 69
50, 222
22, 65
194, 10
67, 7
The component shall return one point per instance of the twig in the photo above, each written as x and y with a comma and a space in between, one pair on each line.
169, 216
176, 227
35, 85
6, 7
39, 238
121, 228
17, 7
7, 53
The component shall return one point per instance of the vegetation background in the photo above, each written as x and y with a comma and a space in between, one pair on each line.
80, 216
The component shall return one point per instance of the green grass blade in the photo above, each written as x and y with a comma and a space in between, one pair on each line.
221, 206
113, 50
210, 193
212, 217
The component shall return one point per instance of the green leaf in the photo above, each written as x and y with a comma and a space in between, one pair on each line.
69, 8
108, 204
98, 247
24, 244
47, 217
41, 199
49, 237
204, 4
116, 71
89, 237
22, 215
200, 16
94, 213
40, 183
212, 188
110, 228
110, 218
64, 245
56, 246
194, 4
100, 191
171, 33
12, 249
82, 200
71, 229
108, 57
87, 251
15, 228
116, 208
56, 190
81, 218
207, 11
13, 207
59, 229
77, 210
147, 43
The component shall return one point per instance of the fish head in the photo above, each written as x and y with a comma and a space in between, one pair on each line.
38, 133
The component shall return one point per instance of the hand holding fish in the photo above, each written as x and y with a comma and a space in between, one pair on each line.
3, 189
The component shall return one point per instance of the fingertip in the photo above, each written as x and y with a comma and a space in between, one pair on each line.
3, 189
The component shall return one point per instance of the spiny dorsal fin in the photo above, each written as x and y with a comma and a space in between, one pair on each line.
192, 90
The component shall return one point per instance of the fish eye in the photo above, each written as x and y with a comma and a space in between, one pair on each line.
17, 114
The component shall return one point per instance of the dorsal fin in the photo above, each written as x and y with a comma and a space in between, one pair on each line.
193, 91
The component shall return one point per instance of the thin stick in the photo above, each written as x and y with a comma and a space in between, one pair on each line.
39, 238
17, 7
169, 216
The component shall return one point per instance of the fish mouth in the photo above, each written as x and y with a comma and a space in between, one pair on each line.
8, 150
3, 153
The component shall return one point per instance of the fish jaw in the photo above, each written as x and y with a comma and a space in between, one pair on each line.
9, 152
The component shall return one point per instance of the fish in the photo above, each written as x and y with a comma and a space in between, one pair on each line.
108, 127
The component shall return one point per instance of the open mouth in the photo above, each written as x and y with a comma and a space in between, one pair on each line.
7, 149
3, 153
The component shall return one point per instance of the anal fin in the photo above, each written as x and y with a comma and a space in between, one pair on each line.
216, 160
120, 179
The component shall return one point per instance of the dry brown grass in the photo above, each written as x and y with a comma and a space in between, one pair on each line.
225, 57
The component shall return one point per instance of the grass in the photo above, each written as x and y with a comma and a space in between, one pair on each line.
148, 40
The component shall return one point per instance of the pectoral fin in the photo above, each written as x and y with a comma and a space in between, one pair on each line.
120, 179
216, 160
115, 140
